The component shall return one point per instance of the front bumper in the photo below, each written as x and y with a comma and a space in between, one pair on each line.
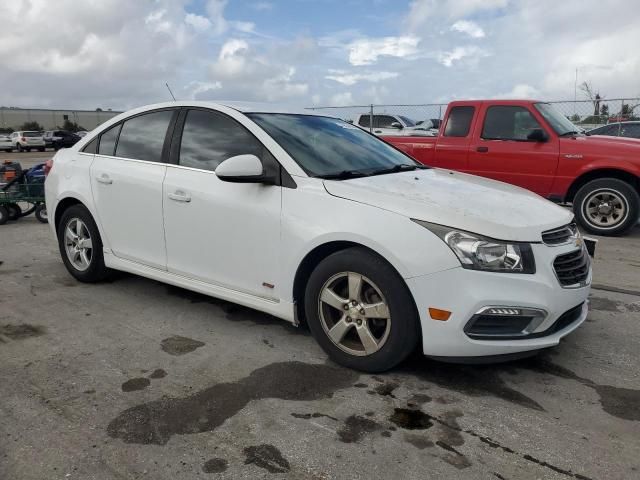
465, 292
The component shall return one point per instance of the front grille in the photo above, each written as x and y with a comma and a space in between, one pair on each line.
572, 269
561, 235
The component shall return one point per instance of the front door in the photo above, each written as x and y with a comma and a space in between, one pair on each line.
503, 152
222, 233
126, 180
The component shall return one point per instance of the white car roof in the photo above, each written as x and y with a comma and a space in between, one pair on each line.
245, 107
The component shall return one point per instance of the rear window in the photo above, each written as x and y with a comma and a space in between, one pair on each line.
459, 121
31, 134
142, 137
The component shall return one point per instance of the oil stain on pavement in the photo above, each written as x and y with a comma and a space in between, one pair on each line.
355, 427
135, 384
157, 421
268, 457
215, 465
178, 345
21, 331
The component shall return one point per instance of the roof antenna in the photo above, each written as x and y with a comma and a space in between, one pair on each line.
169, 88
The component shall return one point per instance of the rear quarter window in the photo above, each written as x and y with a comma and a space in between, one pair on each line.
459, 121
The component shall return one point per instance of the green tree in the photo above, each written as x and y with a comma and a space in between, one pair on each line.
71, 126
31, 126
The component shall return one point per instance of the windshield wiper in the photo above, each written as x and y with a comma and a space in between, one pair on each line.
343, 175
402, 167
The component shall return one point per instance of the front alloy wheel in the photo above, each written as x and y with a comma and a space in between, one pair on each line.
360, 310
354, 313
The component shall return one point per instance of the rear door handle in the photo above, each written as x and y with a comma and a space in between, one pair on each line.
179, 196
104, 179
482, 149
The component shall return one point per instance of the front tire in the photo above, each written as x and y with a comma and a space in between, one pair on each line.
607, 206
81, 246
360, 311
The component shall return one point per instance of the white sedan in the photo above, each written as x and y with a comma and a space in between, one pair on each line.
313, 220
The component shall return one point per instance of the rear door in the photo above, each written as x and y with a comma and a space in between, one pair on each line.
222, 233
126, 181
501, 149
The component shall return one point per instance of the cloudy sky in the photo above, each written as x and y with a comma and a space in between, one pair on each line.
119, 53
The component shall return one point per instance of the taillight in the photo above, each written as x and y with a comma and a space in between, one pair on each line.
48, 165
23, 139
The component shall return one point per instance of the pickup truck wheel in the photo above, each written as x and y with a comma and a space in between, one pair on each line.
360, 311
607, 206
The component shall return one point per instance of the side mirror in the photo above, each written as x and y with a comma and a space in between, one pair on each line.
397, 125
537, 135
242, 169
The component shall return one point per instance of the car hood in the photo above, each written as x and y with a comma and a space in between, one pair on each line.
603, 140
467, 202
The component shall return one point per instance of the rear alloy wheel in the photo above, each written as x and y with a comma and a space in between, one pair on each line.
360, 311
80, 245
607, 206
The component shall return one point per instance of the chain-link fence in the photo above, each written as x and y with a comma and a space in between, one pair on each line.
586, 114
13, 118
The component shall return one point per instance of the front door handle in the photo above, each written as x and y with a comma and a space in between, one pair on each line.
482, 149
179, 196
104, 179
377, 131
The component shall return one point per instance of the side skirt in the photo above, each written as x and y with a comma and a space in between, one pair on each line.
280, 309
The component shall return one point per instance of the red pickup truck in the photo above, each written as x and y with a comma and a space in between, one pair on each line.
532, 145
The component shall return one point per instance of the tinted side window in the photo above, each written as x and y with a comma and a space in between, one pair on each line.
364, 121
142, 137
631, 130
383, 121
209, 138
91, 146
459, 121
108, 140
508, 123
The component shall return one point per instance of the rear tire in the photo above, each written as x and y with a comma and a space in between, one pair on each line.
93, 270
360, 311
607, 206
4, 215
15, 212
19, 148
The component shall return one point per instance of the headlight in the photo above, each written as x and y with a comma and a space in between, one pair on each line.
480, 253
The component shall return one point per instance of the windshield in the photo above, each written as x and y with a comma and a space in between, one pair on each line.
560, 124
325, 146
407, 121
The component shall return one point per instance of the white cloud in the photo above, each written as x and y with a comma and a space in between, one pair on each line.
346, 78
198, 22
246, 27
522, 90
470, 28
470, 52
215, 11
341, 99
245, 74
463, 8
365, 51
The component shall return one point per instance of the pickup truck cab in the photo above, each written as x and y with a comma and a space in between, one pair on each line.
530, 144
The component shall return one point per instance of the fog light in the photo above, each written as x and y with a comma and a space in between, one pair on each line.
437, 314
